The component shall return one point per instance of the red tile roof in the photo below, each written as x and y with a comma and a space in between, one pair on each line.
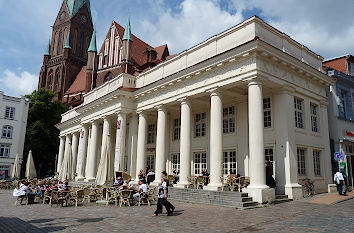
160, 50
79, 84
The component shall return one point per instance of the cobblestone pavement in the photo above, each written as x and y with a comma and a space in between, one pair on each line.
296, 216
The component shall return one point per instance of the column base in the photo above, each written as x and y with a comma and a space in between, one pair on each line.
92, 179
212, 187
261, 194
79, 178
294, 191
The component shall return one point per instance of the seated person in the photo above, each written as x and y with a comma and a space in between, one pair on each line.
141, 189
150, 176
119, 181
63, 186
23, 190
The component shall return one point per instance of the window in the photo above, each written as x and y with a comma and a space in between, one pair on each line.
200, 162
200, 124
4, 172
6, 131
314, 117
50, 80
151, 134
100, 61
316, 163
81, 45
229, 120
269, 154
351, 68
116, 50
4, 150
176, 162
267, 113
301, 169
177, 129
150, 162
105, 60
298, 104
106, 44
108, 77
343, 113
56, 80
10, 113
229, 165
60, 42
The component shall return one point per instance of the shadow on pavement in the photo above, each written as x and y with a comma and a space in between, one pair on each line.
18, 225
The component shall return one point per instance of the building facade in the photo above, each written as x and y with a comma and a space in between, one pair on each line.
227, 104
13, 121
341, 115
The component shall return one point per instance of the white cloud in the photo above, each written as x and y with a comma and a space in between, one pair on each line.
195, 21
18, 84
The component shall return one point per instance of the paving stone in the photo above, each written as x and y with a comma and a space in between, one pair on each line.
296, 216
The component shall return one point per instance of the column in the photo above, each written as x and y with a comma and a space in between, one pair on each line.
91, 163
185, 143
74, 148
82, 153
286, 157
326, 155
141, 147
160, 143
216, 133
257, 189
68, 144
61, 153
120, 142
132, 144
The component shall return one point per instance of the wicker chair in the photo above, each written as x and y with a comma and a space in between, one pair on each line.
226, 183
112, 195
47, 196
192, 182
22, 198
200, 181
125, 197
77, 196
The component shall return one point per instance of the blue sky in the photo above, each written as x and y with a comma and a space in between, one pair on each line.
322, 25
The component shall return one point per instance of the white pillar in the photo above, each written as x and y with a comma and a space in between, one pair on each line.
216, 133
257, 189
160, 143
286, 157
82, 153
61, 153
91, 163
120, 142
74, 148
132, 144
141, 147
185, 143
105, 132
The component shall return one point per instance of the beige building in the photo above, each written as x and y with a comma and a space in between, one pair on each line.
227, 104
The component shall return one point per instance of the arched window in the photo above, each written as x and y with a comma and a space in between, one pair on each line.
60, 42
54, 44
6, 131
109, 76
75, 41
50, 80
81, 44
56, 80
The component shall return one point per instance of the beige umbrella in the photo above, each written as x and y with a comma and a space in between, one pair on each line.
67, 171
104, 172
16, 169
30, 168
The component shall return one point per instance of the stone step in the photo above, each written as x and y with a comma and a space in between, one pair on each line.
281, 199
281, 196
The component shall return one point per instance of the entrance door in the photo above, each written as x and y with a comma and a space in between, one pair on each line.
350, 161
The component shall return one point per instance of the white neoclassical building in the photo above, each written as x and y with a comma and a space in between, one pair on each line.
243, 96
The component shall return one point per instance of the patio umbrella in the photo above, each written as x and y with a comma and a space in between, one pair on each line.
16, 169
30, 168
67, 171
104, 172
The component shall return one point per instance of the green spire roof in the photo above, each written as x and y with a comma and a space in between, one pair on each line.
75, 5
93, 45
67, 43
127, 32
47, 51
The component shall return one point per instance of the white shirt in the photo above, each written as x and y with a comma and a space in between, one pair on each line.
143, 188
21, 191
338, 177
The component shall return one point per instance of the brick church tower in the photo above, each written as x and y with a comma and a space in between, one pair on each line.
66, 55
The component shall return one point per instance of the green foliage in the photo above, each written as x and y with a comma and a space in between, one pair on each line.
41, 134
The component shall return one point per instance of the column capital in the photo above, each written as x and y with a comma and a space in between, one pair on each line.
120, 112
254, 81
184, 100
161, 107
216, 91
94, 122
141, 113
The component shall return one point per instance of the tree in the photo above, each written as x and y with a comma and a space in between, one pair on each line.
41, 134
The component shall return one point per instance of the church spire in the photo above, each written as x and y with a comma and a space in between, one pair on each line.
127, 32
67, 43
93, 45
47, 51
74, 6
